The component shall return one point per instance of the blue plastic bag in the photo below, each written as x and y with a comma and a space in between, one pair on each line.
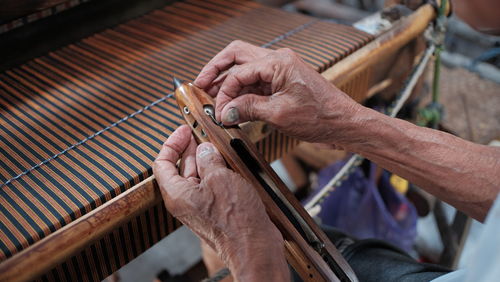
359, 208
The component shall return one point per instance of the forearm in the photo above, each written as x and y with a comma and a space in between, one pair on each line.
480, 14
462, 173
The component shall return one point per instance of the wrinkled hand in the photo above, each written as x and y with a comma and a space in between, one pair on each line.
221, 207
273, 86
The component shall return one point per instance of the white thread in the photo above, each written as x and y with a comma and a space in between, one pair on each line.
287, 34
267, 45
86, 139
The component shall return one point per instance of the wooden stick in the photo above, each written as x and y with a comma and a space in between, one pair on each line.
399, 35
280, 203
47, 253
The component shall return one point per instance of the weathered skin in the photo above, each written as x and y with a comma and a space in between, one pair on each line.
281, 89
482, 15
221, 207
290, 95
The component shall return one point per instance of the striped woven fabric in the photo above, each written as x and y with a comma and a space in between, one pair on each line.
102, 258
82, 124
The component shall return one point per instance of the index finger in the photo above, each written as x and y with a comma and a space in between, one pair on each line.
165, 164
237, 52
242, 76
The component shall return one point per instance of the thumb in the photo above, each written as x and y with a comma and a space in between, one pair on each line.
248, 107
208, 159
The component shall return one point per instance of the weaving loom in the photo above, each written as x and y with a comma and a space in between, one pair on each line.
81, 125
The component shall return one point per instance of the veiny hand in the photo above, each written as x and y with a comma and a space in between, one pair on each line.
219, 205
274, 86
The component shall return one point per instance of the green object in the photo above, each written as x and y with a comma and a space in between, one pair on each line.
432, 114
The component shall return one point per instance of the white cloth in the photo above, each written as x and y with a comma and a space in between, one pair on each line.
484, 263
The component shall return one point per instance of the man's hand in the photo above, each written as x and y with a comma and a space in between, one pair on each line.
221, 207
253, 83
281, 89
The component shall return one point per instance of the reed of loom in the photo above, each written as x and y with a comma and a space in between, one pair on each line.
67, 241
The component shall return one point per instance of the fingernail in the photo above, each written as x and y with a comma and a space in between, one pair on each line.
232, 115
205, 149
